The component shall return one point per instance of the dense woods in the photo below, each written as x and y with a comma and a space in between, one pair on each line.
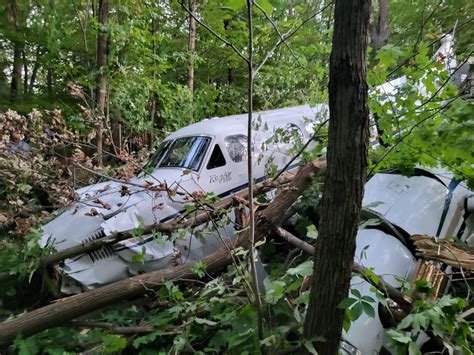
90, 88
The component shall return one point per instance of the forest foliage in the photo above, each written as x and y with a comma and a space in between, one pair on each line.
48, 92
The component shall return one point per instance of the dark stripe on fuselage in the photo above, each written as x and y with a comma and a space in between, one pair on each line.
166, 219
447, 202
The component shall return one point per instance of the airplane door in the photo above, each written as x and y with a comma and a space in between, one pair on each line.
219, 175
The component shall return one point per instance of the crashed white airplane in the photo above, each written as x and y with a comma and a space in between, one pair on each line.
210, 157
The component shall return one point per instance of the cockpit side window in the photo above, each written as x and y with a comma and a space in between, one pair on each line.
236, 147
186, 152
217, 158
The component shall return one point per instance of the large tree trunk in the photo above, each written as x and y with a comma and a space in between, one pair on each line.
101, 94
69, 308
346, 174
191, 43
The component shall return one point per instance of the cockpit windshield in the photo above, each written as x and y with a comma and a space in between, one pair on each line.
186, 152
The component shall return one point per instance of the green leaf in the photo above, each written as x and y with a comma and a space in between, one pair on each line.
234, 4
346, 303
413, 349
311, 231
145, 339
356, 293
369, 223
204, 321
274, 291
303, 269
113, 343
310, 347
266, 6
356, 311
26, 346
424, 286
368, 309
199, 269
398, 337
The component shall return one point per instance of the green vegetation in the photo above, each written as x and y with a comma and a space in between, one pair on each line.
49, 92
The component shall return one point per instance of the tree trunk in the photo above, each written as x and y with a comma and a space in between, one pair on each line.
16, 73
49, 82
154, 113
12, 18
230, 69
34, 72
69, 308
191, 43
25, 72
3, 79
346, 174
378, 29
101, 94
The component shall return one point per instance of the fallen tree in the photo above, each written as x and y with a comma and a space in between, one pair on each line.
444, 250
69, 308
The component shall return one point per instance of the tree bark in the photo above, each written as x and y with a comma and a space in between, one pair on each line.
25, 72
230, 69
346, 174
191, 43
16, 73
34, 72
101, 91
12, 18
49, 81
378, 28
69, 308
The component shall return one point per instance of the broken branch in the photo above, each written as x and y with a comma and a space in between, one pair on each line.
444, 251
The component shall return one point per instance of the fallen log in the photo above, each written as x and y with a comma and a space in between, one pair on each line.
443, 250
195, 219
67, 309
